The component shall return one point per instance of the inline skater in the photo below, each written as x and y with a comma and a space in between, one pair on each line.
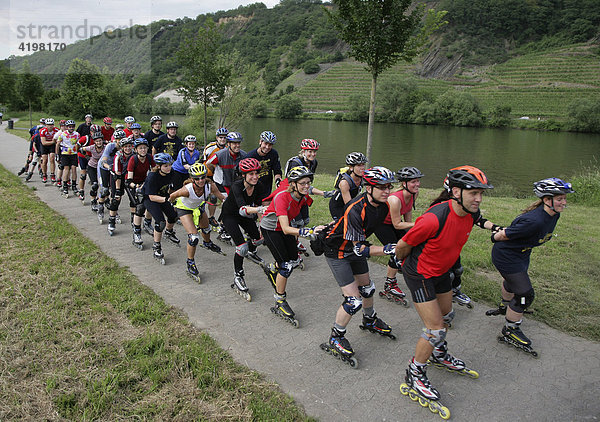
129, 120
95, 152
84, 128
210, 150
429, 250
396, 224
346, 251
46, 135
280, 236
191, 199
185, 158
137, 170
268, 158
169, 143
63, 128
67, 143
107, 130
349, 184
33, 157
511, 255
155, 130
104, 171
156, 194
83, 158
240, 210
117, 182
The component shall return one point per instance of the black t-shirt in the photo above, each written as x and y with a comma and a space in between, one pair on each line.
156, 184
270, 166
171, 146
83, 129
301, 161
150, 136
238, 197
336, 203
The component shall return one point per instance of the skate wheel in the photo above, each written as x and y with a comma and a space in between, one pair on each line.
295, 323
473, 374
362, 327
393, 337
535, 354
404, 389
248, 297
423, 402
469, 305
413, 396
381, 294
353, 362
444, 412
432, 408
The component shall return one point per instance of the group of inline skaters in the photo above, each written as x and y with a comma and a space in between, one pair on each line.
167, 179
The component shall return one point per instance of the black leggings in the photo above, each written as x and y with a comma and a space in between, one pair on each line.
386, 233
232, 226
283, 247
159, 210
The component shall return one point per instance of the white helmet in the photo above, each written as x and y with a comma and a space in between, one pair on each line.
129, 119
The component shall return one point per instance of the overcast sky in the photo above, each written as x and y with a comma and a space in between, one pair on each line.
43, 21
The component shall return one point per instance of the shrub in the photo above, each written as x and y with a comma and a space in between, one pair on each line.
288, 107
584, 116
499, 116
311, 67
587, 186
358, 108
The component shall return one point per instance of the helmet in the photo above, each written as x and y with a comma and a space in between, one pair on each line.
97, 135
378, 176
126, 141
155, 119
107, 120
89, 115
172, 124
42, 120
129, 119
119, 134
309, 144
140, 141
408, 173
249, 164
234, 137
95, 128
551, 187
268, 137
190, 138
355, 158
119, 126
135, 126
63, 122
222, 131
299, 172
49, 121
197, 170
70, 123
468, 177
163, 158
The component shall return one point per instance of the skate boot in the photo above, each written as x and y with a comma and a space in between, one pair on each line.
170, 235
339, 346
440, 358
65, 191
75, 188
94, 205
213, 222
213, 247
82, 196
100, 213
45, 178
158, 253
418, 388
223, 236
23, 170
192, 270
148, 227
118, 219
302, 249
52, 178
376, 325
392, 292
29, 176
271, 272
300, 262
111, 226
59, 183
137, 238
239, 285
512, 334
253, 256
282, 308
462, 299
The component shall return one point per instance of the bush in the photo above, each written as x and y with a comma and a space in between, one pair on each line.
258, 107
451, 108
311, 67
586, 185
499, 116
288, 107
584, 116
397, 100
358, 108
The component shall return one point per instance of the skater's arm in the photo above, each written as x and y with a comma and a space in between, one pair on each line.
345, 191
499, 236
395, 206
180, 192
402, 249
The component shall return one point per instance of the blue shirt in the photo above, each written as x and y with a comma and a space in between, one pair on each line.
184, 157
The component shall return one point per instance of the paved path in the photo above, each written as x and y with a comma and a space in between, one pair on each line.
562, 385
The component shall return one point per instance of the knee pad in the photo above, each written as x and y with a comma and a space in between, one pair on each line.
193, 239
242, 250
94, 189
435, 337
449, 317
159, 226
520, 303
172, 220
258, 242
113, 204
306, 221
140, 209
352, 304
60, 166
83, 177
367, 291
451, 276
458, 271
392, 263
286, 268
104, 192
212, 199
206, 230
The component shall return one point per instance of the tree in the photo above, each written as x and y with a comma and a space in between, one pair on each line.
29, 88
205, 73
83, 90
288, 107
380, 33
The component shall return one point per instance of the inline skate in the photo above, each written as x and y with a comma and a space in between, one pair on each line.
22, 171
239, 285
339, 346
300, 262
440, 358
148, 226
192, 270
82, 197
94, 205
392, 292
418, 388
302, 249
52, 178
512, 335
100, 212
462, 299
118, 219
58, 184
111, 225
282, 308
137, 238
253, 256
45, 179
213, 247
74, 188
158, 253
223, 236
172, 237
271, 272
376, 325
29, 176
65, 191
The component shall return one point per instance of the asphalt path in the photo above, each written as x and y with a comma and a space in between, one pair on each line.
563, 384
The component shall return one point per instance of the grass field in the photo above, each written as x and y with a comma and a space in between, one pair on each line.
564, 271
82, 339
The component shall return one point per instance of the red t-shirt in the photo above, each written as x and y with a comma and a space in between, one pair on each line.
405, 207
84, 141
128, 132
283, 204
435, 251
107, 133
48, 134
139, 169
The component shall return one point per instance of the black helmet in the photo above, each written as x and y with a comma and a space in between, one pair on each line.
468, 177
551, 187
299, 172
408, 173
355, 158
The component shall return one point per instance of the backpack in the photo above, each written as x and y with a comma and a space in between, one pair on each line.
338, 176
318, 243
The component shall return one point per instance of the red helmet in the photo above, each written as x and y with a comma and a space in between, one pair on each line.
309, 144
63, 122
378, 176
249, 164
95, 128
108, 120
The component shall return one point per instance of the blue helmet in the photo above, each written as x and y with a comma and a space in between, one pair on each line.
551, 187
268, 137
135, 126
222, 131
163, 158
140, 141
234, 137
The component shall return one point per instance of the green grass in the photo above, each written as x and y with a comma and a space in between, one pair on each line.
81, 338
564, 271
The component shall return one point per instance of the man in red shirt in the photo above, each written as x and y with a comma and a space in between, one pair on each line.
107, 129
47, 139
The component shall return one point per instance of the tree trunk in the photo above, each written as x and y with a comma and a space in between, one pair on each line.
205, 133
371, 120
30, 121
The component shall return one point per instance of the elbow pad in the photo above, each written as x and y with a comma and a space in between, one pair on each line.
243, 211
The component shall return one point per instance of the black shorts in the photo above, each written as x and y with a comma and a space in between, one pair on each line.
48, 149
283, 247
386, 233
518, 283
68, 160
427, 289
345, 269
83, 162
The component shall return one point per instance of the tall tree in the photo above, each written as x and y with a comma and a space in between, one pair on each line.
29, 87
382, 32
83, 90
205, 72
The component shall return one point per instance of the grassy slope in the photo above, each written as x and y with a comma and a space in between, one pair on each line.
564, 272
82, 338
536, 84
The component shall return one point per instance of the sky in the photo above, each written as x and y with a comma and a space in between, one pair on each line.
25, 24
